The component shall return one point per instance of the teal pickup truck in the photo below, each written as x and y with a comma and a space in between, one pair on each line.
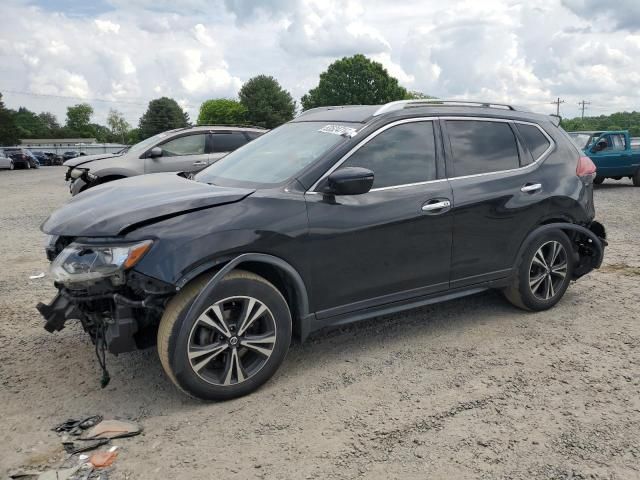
612, 153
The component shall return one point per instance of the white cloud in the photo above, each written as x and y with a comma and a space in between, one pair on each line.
129, 52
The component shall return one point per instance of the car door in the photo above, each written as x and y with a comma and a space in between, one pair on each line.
392, 243
225, 141
614, 159
186, 153
498, 194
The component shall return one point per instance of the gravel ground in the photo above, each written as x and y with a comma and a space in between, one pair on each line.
471, 388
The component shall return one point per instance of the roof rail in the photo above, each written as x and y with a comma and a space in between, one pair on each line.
328, 107
402, 104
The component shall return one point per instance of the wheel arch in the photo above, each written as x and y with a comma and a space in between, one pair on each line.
274, 269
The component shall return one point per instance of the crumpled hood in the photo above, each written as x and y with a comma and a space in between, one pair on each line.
107, 210
74, 162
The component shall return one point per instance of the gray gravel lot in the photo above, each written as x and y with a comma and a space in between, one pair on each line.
471, 388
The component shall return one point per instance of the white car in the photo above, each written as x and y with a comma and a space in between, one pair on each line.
5, 162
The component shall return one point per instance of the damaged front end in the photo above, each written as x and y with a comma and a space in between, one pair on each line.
118, 307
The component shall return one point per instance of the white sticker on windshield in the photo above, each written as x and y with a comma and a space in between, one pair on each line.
339, 130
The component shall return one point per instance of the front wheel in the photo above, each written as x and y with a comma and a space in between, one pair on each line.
598, 180
543, 273
636, 178
233, 345
28, 167
11, 166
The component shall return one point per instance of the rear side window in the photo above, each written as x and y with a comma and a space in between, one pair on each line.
401, 155
534, 139
481, 147
228, 141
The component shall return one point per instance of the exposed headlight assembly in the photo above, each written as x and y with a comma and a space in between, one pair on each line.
81, 173
84, 263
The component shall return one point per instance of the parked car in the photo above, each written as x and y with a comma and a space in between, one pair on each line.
182, 150
54, 158
70, 154
22, 157
5, 162
614, 155
342, 214
43, 159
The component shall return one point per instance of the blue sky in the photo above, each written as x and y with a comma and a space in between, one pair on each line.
122, 53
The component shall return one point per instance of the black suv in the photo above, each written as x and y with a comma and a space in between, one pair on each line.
342, 214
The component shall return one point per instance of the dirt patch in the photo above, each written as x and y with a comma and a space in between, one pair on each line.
472, 388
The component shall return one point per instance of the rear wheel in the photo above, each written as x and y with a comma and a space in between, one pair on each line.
233, 345
636, 178
543, 273
598, 180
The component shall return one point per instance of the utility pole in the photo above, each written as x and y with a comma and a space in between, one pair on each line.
557, 104
582, 104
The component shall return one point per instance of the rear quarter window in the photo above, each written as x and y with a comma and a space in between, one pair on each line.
534, 139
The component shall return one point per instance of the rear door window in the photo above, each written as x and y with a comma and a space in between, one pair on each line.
534, 139
227, 141
481, 147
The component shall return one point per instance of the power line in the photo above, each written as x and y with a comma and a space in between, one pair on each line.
583, 104
557, 104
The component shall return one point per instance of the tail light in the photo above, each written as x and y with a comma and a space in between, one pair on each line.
585, 167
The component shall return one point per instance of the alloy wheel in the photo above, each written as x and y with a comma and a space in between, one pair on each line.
548, 270
232, 340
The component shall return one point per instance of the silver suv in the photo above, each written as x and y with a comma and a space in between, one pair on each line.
183, 150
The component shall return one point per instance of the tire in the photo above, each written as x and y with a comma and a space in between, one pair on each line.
598, 180
636, 178
537, 296
28, 165
219, 359
11, 166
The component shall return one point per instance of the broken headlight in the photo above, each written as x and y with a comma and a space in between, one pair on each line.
87, 263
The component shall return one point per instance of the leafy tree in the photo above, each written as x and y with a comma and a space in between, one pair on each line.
162, 114
8, 131
616, 121
354, 81
133, 136
78, 118
222, 111
29, 124
267, 103
50, 121
118, 125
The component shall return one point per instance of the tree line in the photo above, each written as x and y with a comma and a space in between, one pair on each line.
261, 101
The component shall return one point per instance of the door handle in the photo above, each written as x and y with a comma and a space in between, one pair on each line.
435, 206
531, 187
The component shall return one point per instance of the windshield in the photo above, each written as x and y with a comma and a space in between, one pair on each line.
146, 143
278, 155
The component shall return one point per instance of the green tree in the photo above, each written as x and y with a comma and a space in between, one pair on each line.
118, 125
8, 130
162, 114
79, 118
133, 136
354, 81
50, 121
267, 103
29, 125
222, 111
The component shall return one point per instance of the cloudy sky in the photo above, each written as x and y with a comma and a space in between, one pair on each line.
122, 53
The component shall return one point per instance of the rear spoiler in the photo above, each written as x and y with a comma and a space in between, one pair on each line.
555, 119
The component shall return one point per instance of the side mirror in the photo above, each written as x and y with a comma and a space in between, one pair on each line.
350, 181
155, 152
